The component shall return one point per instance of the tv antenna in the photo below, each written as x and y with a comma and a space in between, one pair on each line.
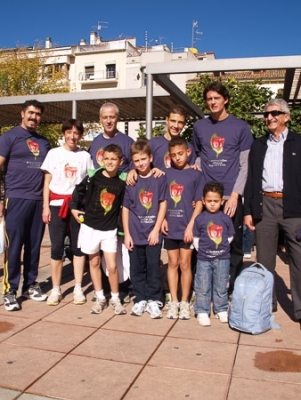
100, 26
195, 32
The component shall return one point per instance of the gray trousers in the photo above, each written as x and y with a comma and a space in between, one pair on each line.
267, 243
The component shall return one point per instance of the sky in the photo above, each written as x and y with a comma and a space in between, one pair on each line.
229, 29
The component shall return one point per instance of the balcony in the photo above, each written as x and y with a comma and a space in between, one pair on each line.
98, 76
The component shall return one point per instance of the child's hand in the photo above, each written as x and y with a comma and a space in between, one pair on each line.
153, 238
188, 235
128, 242
131, 177
164, 227
76, 214
157, 172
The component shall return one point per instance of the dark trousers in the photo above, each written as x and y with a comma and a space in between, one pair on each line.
266, 233
24, 226
58, 228
145, 272
236, 251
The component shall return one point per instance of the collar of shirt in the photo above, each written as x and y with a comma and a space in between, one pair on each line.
282, 137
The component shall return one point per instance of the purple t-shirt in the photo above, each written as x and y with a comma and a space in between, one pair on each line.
160, 152
24, 152
184, 187
213, 231
219, 144
100, 142
143, 200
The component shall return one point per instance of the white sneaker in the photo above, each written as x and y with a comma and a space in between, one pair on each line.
203, 319
78, 296
153, 309
184, 312
173, 310
247, 255
222, 316
54, 298
99, 306
139, 308
117, 307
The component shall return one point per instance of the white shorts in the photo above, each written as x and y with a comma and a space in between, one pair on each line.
90, 240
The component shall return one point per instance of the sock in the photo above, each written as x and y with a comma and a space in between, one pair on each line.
56, 289
78, 286
115, 296
100, 295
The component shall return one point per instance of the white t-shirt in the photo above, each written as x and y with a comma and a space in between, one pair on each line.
68, 168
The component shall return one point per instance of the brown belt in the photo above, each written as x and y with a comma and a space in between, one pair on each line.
275, 195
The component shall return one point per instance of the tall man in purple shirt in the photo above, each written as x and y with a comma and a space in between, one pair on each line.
272, 199
223, 143
22, 152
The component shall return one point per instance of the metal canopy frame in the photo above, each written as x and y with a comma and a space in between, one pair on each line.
151, 102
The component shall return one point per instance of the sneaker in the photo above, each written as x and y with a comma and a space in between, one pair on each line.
192, 300
127, 299
78, 296
99, 306
35, 293
10, 302
203, 319
184, 312
117, 307
153, 309
173, 310
167, 302
139, 308
248, 256
54, 298
222, 316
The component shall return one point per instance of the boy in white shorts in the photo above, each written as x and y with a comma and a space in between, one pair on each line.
102, 192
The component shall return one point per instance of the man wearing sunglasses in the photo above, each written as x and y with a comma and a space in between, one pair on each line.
273, 195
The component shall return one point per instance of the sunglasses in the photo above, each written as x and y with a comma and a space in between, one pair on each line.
274, 113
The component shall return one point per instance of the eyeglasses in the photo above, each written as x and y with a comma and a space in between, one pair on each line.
274, 113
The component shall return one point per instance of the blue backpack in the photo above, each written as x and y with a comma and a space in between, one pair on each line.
250, 310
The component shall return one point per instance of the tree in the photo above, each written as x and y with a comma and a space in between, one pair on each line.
247, 100
28, 72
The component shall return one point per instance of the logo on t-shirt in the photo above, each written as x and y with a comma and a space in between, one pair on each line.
70, 173
106, 200
217, 144
176, 190
34, 147
146, 199
215, 233
167, 160
99, 157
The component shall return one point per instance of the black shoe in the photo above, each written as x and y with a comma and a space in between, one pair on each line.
10, 302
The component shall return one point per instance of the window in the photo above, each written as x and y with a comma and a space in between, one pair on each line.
89, 72
111, 71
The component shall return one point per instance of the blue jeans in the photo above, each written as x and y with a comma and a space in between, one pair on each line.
211, 282
247, 240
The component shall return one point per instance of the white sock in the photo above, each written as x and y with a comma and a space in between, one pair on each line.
56, 289
100, 295
114, 296
78, 286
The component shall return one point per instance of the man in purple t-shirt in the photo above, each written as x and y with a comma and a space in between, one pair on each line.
223, 143
22, 152
108, 117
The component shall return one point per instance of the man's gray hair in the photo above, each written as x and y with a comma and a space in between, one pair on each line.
107, 105
279, 102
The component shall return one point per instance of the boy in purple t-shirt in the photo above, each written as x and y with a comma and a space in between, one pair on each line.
185, 187
213, 232
143, 211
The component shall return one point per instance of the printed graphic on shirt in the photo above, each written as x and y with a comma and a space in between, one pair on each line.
99, 157
70, 173
146, 199
176, 190
106, 200
167, 160
215, 233
217, 144
33, 147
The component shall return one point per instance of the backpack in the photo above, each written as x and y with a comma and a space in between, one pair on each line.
250, 310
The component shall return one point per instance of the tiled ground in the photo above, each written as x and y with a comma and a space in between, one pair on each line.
65, 352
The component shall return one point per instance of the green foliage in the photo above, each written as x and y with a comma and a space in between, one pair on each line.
158, 130
246, 100
295, 121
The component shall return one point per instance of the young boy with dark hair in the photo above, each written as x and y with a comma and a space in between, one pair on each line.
213, 232
103, 193
185, 188
143, 211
